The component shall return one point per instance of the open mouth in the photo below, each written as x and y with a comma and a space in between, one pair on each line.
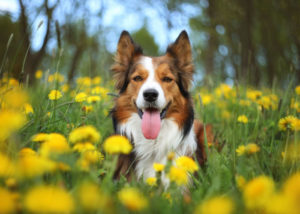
151, 109
151, 121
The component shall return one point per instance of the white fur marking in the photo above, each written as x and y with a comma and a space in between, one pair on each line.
150, 83
151, 151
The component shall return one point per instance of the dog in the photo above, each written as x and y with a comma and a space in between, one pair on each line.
154, 109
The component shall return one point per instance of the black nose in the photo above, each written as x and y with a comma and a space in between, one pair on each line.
150, 95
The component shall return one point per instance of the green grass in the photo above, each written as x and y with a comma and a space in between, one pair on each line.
216, 178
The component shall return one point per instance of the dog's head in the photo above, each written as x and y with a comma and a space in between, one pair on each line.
153, 87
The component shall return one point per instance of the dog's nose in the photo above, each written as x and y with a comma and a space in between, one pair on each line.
150, 95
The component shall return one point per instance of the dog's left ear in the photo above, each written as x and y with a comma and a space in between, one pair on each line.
181, 52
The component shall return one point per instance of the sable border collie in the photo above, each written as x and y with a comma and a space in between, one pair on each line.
154, 109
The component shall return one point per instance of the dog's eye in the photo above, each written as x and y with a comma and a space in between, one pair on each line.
137, 78
167, 79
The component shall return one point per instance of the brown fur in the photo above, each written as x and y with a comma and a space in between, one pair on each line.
125, 165
199, 131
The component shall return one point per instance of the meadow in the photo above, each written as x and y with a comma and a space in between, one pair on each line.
57, 154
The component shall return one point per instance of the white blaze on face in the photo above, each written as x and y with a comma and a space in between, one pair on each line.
150, 83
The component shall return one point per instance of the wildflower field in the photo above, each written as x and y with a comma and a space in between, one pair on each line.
58, 152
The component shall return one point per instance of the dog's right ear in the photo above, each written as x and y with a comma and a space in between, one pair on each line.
127, 50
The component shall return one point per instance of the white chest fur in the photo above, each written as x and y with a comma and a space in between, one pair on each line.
151, 151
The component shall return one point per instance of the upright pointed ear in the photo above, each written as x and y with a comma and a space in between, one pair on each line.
181, 52
127, 50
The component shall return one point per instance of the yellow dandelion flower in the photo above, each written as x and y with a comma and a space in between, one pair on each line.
253, 94
38, 74
63, 166
10, 122
258, 191
7, 167
28, 108
187, 164
178, 175
93, 99
14, 99
241, 150
92, 201
240, 181
92, 156
158, 167
297, 90
80, 97
216, 205
242, 119
171, 156
245, 103
295, 105
117, 144
57, 77
291, 189
13, 82
11, 183
100, 91
55, 144
84, 133
84, 81
273, 97
132, 199
96, 80
82, 147
56, 137
65, 88
295, 125
278, 203
286, 122
206, 99
265, 102
26, 151
151, 181
48, 199
252, 148
34, 165
7, 203
224, 90
87, 109
40, 137
54, 95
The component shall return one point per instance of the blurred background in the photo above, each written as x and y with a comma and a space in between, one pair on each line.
253, 42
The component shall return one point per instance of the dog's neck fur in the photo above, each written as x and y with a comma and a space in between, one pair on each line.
147, 152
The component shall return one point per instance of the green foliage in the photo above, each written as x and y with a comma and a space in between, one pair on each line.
146, 41
11, 51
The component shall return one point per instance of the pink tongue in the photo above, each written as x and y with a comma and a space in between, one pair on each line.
151, 124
